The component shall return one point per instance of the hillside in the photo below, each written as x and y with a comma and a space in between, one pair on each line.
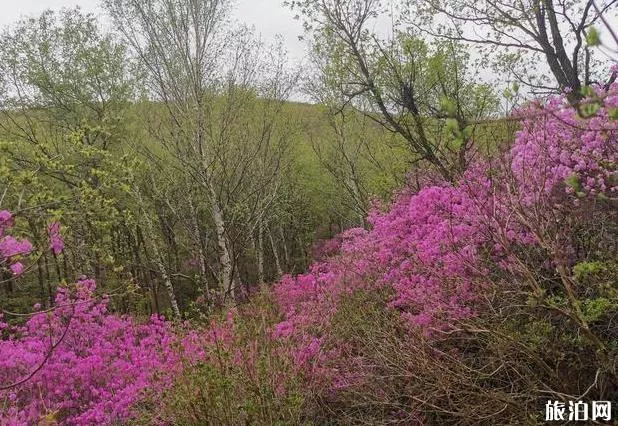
452, 291
431, 241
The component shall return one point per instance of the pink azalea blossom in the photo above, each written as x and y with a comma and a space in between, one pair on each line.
17, 268
56, 242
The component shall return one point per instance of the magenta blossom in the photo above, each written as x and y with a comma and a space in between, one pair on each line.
56, 242
5, 219
9, 247
434, 249
101, 366
17, 268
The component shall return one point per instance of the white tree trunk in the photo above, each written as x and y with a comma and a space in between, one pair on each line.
286, 254
224, 253
275, 254
197, 236
167, 282
160, 265
260, 254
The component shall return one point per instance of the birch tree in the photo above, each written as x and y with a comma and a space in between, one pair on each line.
222, 92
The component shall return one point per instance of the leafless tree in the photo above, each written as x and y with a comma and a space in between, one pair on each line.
521, 34
411, 88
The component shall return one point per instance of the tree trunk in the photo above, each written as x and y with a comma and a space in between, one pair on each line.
224, 253
50, 292
286, 253
260, 253
166, 281
198, 241
275, 254
39, 269
161, 266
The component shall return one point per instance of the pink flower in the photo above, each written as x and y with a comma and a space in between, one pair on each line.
56, 242
17, 268
5, 217
10, 247
103, 367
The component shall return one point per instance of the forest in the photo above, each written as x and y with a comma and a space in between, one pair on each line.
417, 225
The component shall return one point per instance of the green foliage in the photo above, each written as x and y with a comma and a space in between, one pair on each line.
574, 181
409, 85
62, 66
584, 270
593, 37
249, 380
588, 110
65, 88
598, 308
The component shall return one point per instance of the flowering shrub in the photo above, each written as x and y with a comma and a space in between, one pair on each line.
247, 377
426, 250
79, 364
474, 293
326, 248
56, 242
436, 252
557, 145
11, 249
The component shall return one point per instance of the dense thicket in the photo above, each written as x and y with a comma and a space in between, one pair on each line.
439, 254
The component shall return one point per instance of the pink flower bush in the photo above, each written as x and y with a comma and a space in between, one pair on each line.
17, 268
87, 366
6, 219
434, 249
557, 144
425, 250
326, 248
432, 253
11, 248
56, 242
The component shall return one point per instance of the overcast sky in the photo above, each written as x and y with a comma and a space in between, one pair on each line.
269, 17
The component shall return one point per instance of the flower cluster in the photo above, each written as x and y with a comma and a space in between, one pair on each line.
432, 253
82, 365
557, 148
435, 249
56, 242
11, 249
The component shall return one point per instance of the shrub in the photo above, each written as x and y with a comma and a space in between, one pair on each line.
500, 286
246, 376
78, 364
465, 303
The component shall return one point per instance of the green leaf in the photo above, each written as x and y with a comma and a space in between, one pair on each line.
467, 132
452, 125
573, 181
589, 110
587, 91
595, 309
593, 38
448, 106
